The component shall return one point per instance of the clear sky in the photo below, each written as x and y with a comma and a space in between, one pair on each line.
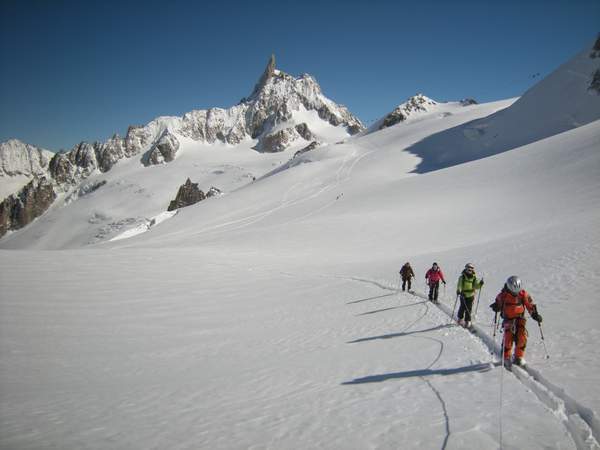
84, 70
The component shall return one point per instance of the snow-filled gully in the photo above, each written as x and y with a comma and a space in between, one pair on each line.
581, 422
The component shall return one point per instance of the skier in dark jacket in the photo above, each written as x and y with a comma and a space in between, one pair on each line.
433, 278
465, 288
406, 272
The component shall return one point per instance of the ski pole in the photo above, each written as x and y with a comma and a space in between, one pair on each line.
543, 342
454, 307
495, 325
477, 305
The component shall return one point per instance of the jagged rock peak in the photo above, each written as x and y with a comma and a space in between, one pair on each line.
268, 73
187, 195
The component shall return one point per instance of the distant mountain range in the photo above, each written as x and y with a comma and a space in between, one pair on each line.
290, 114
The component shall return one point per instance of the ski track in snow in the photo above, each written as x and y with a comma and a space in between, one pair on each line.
581, 422
155, 378
343, 174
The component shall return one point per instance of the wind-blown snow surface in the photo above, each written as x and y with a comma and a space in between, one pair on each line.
268, 318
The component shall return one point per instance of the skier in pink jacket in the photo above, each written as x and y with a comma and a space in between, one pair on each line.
433, 278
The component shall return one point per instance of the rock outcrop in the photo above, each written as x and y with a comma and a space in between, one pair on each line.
32, 201
595, 83
468, 102
415, 104
163, 150
596, 48
308, 148
304, 132
213, 192
278, 141
187, 195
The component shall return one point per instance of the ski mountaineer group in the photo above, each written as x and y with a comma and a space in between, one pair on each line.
511, 303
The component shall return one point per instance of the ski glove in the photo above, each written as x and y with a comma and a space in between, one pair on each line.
481, 282
537, 317
443, 282
495, 307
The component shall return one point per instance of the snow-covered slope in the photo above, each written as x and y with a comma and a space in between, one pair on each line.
133, 194
269, 317
564, 100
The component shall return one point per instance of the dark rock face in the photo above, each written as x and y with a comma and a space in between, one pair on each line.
212, 192
393, 118
163, 151
303, 131
596, 49
416, 103
595, 83
61, 169
355, 129
276, 142
109, 152
308, 148
468, 101
268, 73
20, 209
187, 195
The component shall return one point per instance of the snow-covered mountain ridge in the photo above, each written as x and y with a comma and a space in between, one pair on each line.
276, 100
281, 111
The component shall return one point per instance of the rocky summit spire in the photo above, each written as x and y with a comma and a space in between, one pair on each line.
268, 73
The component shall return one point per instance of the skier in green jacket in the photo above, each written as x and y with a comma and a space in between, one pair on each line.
465, 288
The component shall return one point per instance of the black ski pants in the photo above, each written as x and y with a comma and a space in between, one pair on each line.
404, 282
466, 307
434, 288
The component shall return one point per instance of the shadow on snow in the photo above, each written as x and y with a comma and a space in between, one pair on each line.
480, 367
404, 333
370, 298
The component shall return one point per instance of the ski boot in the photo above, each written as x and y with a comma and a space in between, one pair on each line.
519, 362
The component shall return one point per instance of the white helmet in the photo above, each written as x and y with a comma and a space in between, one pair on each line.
513, 284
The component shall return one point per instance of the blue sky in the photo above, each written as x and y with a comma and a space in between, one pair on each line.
83, 70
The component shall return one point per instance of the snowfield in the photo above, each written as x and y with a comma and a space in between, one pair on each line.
276, 324
270, 317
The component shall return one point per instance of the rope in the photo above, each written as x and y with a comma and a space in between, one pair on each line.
501, 391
